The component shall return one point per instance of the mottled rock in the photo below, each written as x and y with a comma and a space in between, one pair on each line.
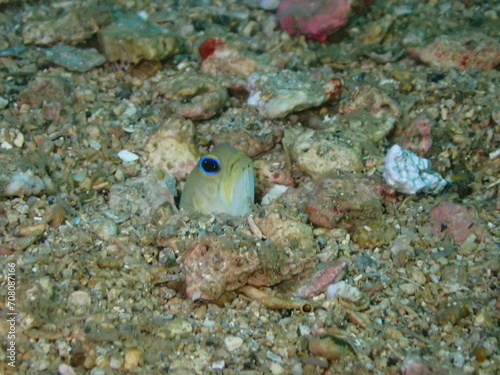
347, 200
272, 169
20, 184
464, 51
277, 94
224, 257
379, 110
242, 131
314, 281
143, 195
316, 19
194, 96
132, 39
319, 152
417, 136
75, 59
375, 233
233, 343
79, 24
456, 221
47, 89
171, 147
80, 298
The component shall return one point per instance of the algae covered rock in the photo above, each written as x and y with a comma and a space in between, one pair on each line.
132, 39
277, 94
318, 152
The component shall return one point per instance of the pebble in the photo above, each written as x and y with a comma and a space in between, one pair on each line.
318, 152
131, 39
171, 147
104, 228
127, 156
233, 343
75, 59
276, 369
464, 51
20, 184
132, 358
409, 288
178, 327
80, 298
276, 94
218, 365
316, 19
64, 369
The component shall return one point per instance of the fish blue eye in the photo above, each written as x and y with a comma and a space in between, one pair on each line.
209, 165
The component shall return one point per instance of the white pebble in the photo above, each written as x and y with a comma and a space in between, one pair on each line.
80, 298
276, 369
64, 369
233, 343
127, 156
219, 365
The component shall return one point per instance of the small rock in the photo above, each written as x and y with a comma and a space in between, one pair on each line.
104, 228
64, 369
194, 96
80, 298
132, 359
409, 288
79, 25
456, 221
20, 184
347, 200
319, 152
464, 51
277, 94
367, 112
417, 136
132, 39
127, 156
75, 59
316, 19
178, 327
143, 195
233, 343
47, 89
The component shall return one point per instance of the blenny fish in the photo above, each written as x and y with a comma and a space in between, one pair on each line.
222, 182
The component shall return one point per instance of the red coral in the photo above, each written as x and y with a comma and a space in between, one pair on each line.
209, 46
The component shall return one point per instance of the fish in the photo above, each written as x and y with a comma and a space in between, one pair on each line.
221, 182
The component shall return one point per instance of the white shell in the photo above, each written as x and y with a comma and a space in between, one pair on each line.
411, 174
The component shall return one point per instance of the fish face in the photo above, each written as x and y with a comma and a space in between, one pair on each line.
222, 181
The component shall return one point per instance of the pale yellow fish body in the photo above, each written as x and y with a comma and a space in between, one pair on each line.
222, 181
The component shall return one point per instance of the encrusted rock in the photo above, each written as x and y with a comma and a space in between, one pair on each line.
456, 221
347, 200
318, 152
316, 19
172, 147
75, 59
380, 111
194, 96
465, 51
277, 94
132, 39
143, 195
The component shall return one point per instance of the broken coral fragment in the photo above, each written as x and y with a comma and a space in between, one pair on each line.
410, 174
